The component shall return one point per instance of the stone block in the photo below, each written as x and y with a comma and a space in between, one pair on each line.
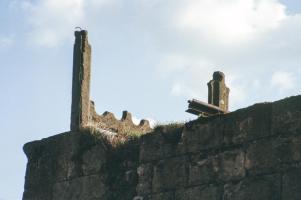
38, 179
203, 135
169, 174
219, 167
82, 188
59, 150
209, 192
160, 145
39, 175
291, 186
30, 194
53, 146
248, 124
295, 149
131, 177
93, 160
286, 116
255, 188
261, 157
145, 175
151, 147
86, 158
65, 168
203, 169
138, 198
232, 165
162, 196
273, 154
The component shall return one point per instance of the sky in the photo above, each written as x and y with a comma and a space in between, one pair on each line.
148, 57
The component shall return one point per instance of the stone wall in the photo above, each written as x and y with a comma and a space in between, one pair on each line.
80, 165
250, 154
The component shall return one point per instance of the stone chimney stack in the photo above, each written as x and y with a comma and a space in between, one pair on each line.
80, 108
218, 92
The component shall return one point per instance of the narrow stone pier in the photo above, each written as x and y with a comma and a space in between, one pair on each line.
80, 107
218, 92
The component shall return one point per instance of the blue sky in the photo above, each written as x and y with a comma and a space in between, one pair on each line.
149, 57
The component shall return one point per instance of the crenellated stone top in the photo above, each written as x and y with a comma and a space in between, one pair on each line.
109, 122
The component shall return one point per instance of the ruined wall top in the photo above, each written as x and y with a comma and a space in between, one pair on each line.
83, 114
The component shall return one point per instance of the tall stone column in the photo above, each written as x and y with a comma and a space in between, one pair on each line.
218, 92
80, 107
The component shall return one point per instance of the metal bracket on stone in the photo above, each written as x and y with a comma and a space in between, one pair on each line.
203, 109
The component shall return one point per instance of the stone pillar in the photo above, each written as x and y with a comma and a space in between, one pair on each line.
218, 92
80, 108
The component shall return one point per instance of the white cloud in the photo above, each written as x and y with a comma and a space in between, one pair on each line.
226, 22
6, 41
179, 89
283, 80
238, 90
191, 74
231, 21
52, 21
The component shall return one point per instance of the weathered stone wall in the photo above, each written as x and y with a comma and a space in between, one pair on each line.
80, 165
250, 154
